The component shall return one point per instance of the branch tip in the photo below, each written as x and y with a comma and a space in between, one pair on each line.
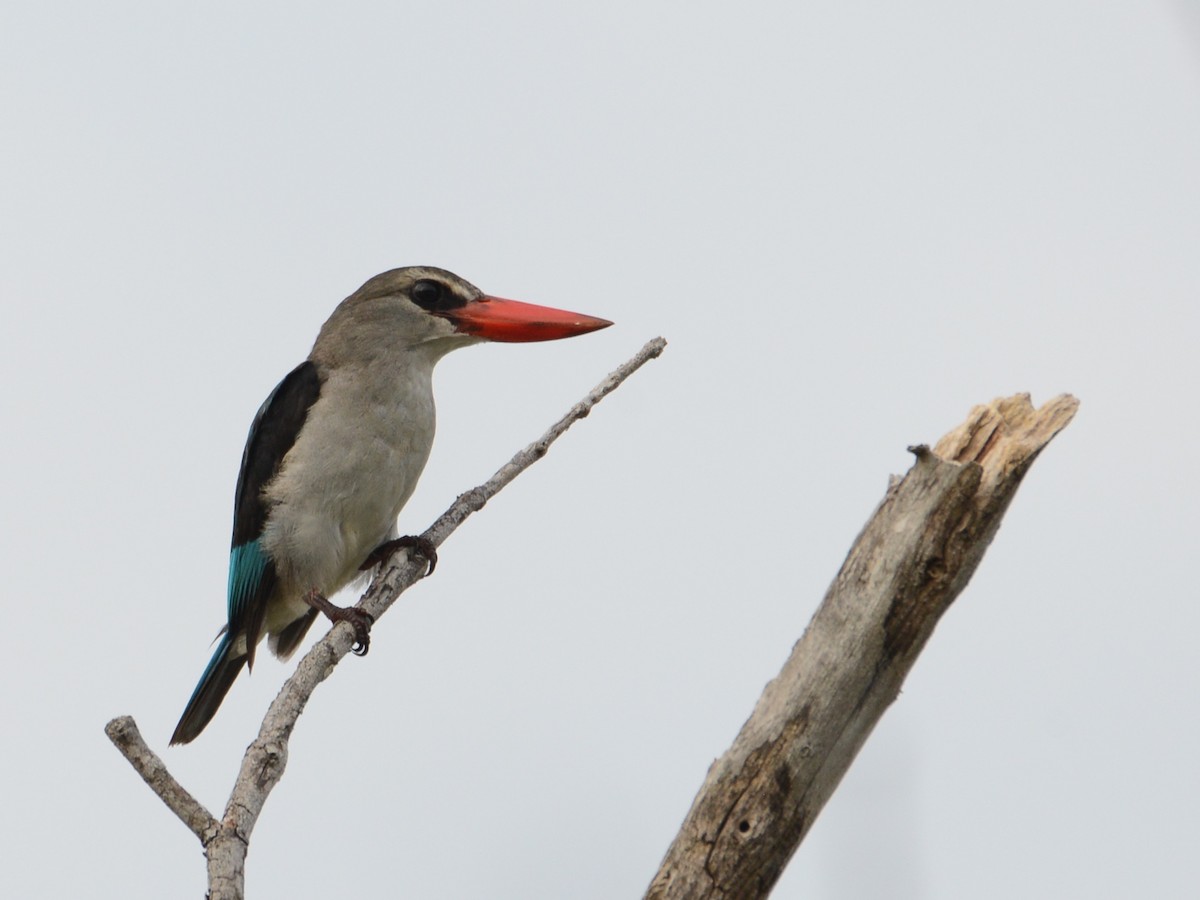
126, 737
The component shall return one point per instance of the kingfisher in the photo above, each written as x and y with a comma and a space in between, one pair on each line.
334, 453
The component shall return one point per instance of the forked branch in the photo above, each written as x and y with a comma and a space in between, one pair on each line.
225, 842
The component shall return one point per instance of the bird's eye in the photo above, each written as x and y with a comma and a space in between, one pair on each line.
430, 295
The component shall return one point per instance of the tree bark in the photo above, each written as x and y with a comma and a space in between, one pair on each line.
916, 553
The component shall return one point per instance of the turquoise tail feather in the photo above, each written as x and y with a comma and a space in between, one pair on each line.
214, 684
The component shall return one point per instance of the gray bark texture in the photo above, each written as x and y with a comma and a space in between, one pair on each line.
915, 555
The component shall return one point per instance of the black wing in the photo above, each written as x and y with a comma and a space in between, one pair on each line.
272, 435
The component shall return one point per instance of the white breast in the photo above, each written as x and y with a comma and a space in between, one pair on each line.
353, 467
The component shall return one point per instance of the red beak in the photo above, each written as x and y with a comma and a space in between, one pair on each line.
512, 321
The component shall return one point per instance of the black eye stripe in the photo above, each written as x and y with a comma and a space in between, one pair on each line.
434, 296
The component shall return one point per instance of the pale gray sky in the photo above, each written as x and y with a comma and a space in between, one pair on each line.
852, 222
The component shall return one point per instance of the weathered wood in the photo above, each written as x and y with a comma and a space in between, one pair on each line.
915, 555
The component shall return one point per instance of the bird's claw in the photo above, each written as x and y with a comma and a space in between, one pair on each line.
362, 622
359, 619
421, 545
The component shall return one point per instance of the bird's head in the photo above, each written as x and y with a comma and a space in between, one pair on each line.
430, 308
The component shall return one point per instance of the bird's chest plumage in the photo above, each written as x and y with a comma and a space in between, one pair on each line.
354, 465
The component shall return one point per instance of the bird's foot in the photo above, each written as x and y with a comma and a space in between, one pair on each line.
359, 618
421, 545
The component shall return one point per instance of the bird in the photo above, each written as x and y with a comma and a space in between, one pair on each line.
334, 453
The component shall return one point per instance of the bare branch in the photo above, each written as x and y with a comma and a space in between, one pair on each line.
394, 581
123, 732
266, 757
915, 555
263, 765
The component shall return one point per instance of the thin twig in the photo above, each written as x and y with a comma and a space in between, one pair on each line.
124, 734
266, 758
226, 842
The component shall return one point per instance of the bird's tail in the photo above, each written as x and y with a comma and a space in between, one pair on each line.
214, 684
